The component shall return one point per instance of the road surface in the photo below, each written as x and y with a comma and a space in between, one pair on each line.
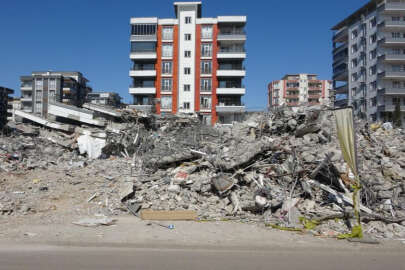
39, 257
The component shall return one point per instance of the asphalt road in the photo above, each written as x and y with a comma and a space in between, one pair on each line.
195, 258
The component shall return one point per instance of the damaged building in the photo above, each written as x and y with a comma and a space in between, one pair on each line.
189, 64
6, 108
110, 99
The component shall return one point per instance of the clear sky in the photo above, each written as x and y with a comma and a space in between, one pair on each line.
92, 36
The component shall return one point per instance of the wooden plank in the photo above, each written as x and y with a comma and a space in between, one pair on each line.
168, 215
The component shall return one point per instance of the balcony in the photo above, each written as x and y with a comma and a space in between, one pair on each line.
142, 73
393, 8
144, 108
391, 108
389, 75
26, 99
143, 55
387, 25
140, 90
394, 58
341, 103
389, 41
394, 91
231, 73
341, 35
232, 36
223, 108
231, 54
339, 49
342, 89
26, 87
341, 75
144, 38
231, 91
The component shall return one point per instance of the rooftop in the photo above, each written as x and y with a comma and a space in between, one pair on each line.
197, 4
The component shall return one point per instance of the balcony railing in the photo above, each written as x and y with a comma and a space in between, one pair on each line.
225, 50
394, 91
340, 33
230, 33
395, 6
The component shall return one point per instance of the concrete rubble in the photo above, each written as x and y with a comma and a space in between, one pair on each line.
283, 169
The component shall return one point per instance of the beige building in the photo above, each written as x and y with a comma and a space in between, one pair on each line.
295, 90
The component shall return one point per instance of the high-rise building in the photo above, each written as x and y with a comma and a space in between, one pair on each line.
295, 90
189, 64
369, 61
41, 88
5, 105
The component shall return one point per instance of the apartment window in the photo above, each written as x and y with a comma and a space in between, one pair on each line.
167, 67
39, 84
187, 37
167, 50
373, 85
38, 107
206, 67
143, 29
167, 33
396, 100
38, 95
396, 68
52, 95
186, 105
187, 54
373, 54
354, 91
354, 63
143, 46
52, 84
373, 22
373, 70
396, 35
166, 102
187, 71
354, 34
205, 102
396, 84
187, 20
396, 51
166, 85
206, 32
354, 48
206, 85
396, 18
187, 88
373, 38
206, 50
354, 77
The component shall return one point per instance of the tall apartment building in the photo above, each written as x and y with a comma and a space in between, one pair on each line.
369, 60
189, 64
5, 105
41, 88
299, 89
104, 98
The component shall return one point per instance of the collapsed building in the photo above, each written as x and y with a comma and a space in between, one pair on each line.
283, 168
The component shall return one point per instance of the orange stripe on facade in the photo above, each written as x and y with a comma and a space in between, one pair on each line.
214, 99
197, 68
175, 89
158, 67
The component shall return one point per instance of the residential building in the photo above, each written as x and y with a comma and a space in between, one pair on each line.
5, 105
13, 105
189, 64
42, 88
369, 60
295, 90
111, 99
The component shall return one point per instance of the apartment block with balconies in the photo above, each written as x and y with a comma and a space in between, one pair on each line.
44, 87
6, 108
189, 64
295, 90
369, 60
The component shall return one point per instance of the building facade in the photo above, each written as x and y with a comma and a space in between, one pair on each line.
369, 61
295, 90
41, 88
5, 105
104, 98
189, 64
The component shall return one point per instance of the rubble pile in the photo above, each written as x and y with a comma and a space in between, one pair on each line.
285, 169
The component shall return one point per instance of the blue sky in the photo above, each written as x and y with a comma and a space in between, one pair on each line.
92, 36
